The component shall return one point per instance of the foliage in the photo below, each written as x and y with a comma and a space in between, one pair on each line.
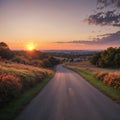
107, 58
101, 75
110, 79
20, 59
10, 87
35, 58
18, 78
14, 108
5, 52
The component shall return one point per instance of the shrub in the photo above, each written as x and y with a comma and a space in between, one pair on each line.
10, 87
27, 81
20, 59
46, 63
112, 79
37, 63
49, 62
100, 75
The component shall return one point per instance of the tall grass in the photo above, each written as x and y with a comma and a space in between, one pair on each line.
18, 78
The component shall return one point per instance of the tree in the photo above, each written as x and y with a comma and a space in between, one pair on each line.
94, 59
107, 58
5, 52
4, 45
117, 60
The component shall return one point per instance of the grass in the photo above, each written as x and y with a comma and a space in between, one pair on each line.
13, 109
16, 69
33, 79
89, 76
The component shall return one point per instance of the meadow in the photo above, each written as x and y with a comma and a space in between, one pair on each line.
19, 83
17, 78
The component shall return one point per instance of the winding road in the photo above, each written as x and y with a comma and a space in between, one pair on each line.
70, 97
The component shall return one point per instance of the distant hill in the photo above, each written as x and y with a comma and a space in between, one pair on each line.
72, 51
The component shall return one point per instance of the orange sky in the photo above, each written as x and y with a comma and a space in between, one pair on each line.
46, 22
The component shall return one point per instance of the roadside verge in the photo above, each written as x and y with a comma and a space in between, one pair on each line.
14, 108
114, 94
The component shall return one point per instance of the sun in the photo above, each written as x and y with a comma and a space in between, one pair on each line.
30, 46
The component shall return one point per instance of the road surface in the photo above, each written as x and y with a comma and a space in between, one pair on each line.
69, 97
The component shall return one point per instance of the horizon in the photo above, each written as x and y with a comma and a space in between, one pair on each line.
58, 50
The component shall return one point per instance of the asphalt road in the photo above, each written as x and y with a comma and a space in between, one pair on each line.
69, 97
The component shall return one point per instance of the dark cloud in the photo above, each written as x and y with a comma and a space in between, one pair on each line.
112, 38
77, 41
107, 13
107, 39
104, 3
101, 18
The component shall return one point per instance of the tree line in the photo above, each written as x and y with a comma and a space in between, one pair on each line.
109, 58
35, 57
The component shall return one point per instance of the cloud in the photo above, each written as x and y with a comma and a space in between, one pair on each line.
107, 13
101, 18
104, 3
112, 39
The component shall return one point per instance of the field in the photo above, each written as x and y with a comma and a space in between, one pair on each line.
19, 83
106, 80
21, 69
16, 78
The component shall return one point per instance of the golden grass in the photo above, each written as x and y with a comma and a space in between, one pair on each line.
28, 76
21, 68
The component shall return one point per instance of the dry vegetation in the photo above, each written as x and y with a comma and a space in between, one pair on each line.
20, 71
18, 78
110, 77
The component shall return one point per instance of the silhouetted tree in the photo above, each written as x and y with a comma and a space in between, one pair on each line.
5, 52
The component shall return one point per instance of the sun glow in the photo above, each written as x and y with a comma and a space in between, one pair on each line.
30, 46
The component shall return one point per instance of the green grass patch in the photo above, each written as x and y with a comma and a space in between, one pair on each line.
90, 77
13, 108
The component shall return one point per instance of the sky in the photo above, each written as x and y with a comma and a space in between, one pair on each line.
54, 24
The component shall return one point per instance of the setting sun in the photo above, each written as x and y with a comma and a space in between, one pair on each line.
30, 46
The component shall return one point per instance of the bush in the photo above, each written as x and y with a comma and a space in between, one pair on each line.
28, 81
10, 87
50, 62
100, 75
20, 59
46, 63
37, 63
110, 79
